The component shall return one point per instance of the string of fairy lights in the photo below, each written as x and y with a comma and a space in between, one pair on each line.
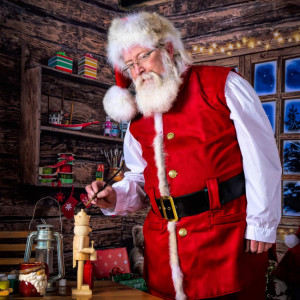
246, 42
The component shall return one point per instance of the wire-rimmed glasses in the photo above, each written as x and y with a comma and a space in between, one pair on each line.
142, 59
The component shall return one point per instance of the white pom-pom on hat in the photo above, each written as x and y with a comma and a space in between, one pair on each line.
119, 104
291, 240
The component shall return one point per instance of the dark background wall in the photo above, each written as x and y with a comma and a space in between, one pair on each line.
78, 27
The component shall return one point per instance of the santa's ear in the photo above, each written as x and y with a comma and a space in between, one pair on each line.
170, 49
119, 103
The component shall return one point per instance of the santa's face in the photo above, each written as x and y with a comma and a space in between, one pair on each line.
143, 61
157, 81
37, 279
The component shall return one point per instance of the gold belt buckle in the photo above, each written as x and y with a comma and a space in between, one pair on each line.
171, 207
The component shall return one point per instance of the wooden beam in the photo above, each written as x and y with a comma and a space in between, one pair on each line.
15, 247
13, 261
13, 234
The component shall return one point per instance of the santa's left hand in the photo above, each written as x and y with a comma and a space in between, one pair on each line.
257, 247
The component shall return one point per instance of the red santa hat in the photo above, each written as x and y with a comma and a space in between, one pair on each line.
144, 29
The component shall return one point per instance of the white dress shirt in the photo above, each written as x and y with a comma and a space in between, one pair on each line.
261, 164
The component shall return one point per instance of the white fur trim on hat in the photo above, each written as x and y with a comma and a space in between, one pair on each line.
119, 104
144, 29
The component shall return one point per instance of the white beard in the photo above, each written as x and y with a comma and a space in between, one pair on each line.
38, 281
158, 93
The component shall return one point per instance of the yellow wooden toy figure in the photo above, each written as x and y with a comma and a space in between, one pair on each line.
82, 251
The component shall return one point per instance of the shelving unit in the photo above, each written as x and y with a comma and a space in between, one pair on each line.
80, 134
40, 142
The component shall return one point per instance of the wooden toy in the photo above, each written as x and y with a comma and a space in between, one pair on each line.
82, 251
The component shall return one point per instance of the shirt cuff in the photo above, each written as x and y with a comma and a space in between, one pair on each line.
108, 211
261, 234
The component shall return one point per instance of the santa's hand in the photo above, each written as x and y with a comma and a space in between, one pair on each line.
103, 198
257, 247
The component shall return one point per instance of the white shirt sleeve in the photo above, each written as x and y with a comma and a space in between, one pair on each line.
261, 161
130, 191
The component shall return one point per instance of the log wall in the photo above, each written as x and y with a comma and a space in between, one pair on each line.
78, 27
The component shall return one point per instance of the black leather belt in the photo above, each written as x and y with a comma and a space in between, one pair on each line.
192, 204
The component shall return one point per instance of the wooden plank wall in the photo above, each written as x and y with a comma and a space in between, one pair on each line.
78, 27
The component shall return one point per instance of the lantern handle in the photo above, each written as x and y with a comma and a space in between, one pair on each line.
43, 219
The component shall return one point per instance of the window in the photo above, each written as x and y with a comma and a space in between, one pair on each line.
275, 75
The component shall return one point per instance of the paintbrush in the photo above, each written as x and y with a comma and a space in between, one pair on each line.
105, 185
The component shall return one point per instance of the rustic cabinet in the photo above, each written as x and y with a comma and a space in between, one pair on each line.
44, 89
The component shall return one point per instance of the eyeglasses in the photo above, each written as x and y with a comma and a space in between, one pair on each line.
142, 59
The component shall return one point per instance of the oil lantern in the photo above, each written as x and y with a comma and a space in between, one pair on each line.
45, 240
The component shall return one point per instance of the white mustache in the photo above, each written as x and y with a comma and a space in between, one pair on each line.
158, 79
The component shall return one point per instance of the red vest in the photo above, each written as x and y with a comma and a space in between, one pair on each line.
203, 150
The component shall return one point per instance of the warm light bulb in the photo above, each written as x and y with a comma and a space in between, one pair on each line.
238, 45
201, 49
251, 44
297, 37
214, 45
195, 48
222, 49
229, 53
230, 46
280, 40
267, 46
244, 40
210, 51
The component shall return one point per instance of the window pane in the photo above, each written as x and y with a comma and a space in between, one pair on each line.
291, 157
270, 109
292, 116
291, 198
292, 75
265, 78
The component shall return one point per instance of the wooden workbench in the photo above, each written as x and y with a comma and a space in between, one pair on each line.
104, 290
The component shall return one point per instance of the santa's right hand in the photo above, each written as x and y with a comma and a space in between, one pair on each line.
93, 190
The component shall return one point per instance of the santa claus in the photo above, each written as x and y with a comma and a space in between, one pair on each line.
201, 150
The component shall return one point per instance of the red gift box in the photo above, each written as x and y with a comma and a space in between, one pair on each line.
109, 259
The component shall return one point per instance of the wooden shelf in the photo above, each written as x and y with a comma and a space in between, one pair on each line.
76, 133
31, 139
70, 76
63, 185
